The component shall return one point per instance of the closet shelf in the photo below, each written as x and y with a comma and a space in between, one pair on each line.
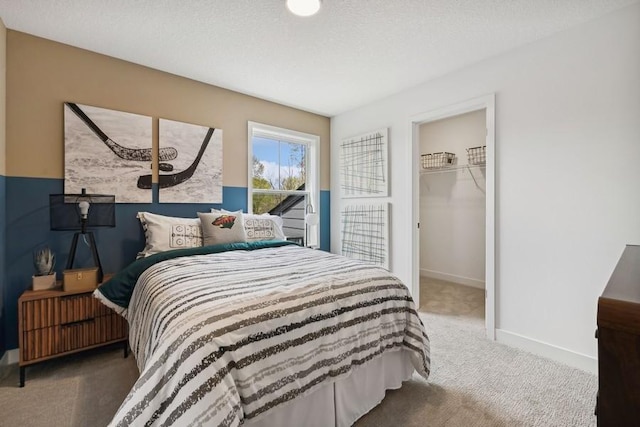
450, 168
457, 168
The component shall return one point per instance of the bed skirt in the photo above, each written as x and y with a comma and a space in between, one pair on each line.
342, 402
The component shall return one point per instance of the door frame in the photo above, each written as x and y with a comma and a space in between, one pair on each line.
486, 102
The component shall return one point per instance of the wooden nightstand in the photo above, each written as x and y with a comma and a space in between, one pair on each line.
55, 323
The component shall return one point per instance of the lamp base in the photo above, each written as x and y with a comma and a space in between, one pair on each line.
92, 247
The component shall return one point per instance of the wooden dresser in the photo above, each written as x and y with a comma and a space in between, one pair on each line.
54, 323
618, 336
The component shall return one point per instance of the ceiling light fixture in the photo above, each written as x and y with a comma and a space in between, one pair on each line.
303, 7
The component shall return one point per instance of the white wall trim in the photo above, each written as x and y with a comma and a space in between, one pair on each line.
461, 280
486, 102
550, 351
10, 357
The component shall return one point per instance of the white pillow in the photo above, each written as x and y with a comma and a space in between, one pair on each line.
222, 227
163, 233
260, 227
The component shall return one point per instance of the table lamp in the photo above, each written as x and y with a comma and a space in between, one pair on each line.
79, 212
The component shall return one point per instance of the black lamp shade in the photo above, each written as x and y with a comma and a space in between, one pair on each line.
64, 213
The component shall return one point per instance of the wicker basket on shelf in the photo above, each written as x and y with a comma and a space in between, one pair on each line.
477, 155
437, 160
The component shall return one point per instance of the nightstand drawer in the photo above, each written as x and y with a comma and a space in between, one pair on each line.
46, 342
40, 343
91, 332
38, 314
77, 335
46, 312
76, 308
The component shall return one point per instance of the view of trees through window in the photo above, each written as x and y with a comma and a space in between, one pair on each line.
278, 166
284, 179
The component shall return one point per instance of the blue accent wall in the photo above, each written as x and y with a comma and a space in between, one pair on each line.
325, 220
27, 228
3, 270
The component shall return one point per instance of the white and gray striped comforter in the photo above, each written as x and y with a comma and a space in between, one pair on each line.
224, 337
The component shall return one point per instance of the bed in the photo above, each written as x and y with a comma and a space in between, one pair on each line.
263, 333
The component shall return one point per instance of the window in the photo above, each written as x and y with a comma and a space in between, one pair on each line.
284, 179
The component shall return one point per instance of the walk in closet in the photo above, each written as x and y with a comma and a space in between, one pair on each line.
452, 199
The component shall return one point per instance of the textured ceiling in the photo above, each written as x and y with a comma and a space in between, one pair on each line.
351, 53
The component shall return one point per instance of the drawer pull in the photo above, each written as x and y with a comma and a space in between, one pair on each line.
90, 319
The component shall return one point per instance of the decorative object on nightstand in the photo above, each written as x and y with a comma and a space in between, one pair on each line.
44, 261
79, 211
80, 279
55, 323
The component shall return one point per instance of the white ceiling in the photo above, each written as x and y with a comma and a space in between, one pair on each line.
351, 53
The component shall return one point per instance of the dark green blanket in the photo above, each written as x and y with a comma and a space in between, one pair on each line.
120, 287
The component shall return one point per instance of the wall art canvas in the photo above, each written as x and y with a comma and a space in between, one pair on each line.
195, 175
106, 152
365, 232
364, 166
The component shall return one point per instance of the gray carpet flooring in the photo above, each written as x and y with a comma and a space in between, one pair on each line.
474, 382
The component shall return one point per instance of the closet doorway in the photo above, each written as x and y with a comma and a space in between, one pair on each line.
453, 203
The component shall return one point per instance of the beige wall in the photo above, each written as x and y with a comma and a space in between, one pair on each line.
3, 97
42, 74
454, 134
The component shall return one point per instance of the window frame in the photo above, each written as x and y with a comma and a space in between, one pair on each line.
312, 178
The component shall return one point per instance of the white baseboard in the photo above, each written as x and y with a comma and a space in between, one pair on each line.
10, 357
559, 354
467, 281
